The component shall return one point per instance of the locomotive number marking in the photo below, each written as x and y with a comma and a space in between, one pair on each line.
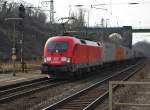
56, 59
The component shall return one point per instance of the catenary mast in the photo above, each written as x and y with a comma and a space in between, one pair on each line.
52, 11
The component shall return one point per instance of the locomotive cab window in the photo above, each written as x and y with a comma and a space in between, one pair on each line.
57, 47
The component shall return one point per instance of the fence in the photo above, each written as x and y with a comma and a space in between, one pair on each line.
111, 87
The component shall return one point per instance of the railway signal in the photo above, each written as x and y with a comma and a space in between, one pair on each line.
21, 14
21, 25
21, 11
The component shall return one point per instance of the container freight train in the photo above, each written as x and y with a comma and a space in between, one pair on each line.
70, 56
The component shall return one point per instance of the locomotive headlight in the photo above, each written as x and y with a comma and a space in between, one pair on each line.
65, 59
68, 60
47, 59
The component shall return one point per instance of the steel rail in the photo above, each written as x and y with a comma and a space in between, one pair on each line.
77, 101
101, 98
9, 86
24, 86
24, 90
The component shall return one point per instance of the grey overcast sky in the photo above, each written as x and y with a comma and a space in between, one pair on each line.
123, 13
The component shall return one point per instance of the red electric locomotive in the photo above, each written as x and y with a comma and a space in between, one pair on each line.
65, 56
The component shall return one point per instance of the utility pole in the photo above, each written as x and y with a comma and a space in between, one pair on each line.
14, 50
51, 11
102, 35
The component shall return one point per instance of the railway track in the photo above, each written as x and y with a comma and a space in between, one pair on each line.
88, 98
11, 92
5, 87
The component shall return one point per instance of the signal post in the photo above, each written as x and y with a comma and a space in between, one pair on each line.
21, 23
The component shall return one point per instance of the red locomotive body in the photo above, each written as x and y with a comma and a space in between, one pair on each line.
65, 56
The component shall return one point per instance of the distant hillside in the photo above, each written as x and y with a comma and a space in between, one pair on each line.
143, 47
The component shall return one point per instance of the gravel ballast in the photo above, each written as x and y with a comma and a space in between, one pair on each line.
132, 94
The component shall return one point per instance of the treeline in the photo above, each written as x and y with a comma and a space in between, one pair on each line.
36, 29
143, 47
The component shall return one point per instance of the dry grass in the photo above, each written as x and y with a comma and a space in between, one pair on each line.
8, 67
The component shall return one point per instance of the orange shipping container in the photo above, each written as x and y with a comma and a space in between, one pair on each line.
119, 54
